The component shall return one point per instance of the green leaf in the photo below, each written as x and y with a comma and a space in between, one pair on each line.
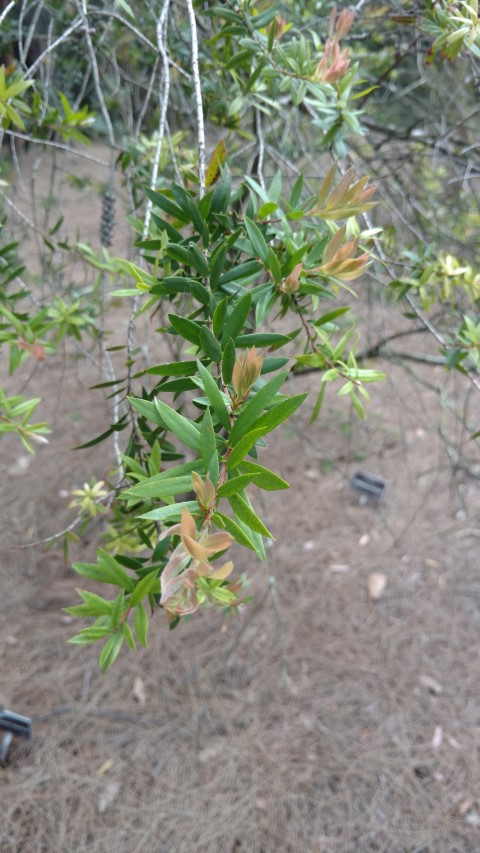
164, 203
182, 427
118, 608
110, 651
121, 424
257, 240
174, 368
147, 409
176, 471
240, 272
271, 364
236, 484
173, 512
279, 413
140, 621
242, 448
228, 361
296, 191
266, 209
126, 632
94, 605
178, 253
91, 635
234, 529
265, 479
147, 584
208, 444
221, 193
262, 339
246, 514
210, 345
330, 316
357, 406
237, 318
156, 489
106, 570
255, 406
126, 8
188, 329
318, 403
197, 260
219, 317
215, 396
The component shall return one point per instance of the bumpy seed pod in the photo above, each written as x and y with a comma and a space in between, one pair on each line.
108, 219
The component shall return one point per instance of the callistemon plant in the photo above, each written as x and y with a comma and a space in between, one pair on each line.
225, 278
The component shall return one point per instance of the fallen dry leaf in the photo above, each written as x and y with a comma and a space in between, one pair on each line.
431, 685
105, 767
376, 584
339, 568
465, 806
138, 691
109, 793
437, 737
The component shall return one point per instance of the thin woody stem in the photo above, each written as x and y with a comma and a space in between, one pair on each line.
198, 100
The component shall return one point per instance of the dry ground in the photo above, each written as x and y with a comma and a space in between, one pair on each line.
309, 725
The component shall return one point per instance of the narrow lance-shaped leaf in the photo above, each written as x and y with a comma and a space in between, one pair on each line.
183, 428
210, 345
234, 529
214, 395
140, 620
236, 321
208, 445
243, 446
264, 479
144, 586
246, 514
236, 485
279, 413
257, 240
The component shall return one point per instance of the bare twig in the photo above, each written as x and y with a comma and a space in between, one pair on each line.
7, 10
198, 100
52, 144
62, 38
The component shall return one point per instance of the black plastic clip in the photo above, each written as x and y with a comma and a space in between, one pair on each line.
12, 724
370, 486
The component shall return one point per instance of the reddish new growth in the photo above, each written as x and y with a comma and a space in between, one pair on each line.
335, 61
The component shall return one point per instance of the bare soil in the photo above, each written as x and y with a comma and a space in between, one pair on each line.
318, 721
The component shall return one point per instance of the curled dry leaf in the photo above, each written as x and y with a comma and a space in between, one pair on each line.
376, 584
